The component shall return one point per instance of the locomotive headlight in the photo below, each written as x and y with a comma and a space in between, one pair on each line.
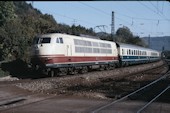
48, 59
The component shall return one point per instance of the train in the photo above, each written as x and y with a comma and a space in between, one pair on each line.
58, 53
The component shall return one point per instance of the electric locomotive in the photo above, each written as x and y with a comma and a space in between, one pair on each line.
63, 53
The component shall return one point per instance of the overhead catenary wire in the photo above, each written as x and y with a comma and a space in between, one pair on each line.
161, 15
151, 19
99, 10
133, 19
74, 19
154, 7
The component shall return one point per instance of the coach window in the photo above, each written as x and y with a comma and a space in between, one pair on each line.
132, 52
138, 52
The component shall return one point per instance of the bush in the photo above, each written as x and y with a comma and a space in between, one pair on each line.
3, 73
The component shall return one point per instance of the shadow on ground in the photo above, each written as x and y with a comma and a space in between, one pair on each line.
116, 89
19, 68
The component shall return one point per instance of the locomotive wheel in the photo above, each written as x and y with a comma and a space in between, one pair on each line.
113, 66
107, 67
52, 72
101, 67
63, 71
83, 70
72, 71
89, 68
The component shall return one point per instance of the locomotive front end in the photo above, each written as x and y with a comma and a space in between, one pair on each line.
41, 49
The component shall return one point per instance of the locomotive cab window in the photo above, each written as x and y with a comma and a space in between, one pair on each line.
45, 40
36, 40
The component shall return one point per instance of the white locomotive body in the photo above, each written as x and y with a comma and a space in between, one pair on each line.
57, 50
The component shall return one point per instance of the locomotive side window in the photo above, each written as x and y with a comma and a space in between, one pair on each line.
59, 40
87, 50
95, 44
96, 50
88, 43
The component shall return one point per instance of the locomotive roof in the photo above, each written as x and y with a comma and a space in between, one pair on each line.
134, 47
82, 36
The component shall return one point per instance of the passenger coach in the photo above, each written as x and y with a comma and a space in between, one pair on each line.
132, 54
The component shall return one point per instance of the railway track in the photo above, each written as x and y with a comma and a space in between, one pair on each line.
145, 90
24, 99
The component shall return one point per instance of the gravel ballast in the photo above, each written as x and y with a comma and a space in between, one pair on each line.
71, 84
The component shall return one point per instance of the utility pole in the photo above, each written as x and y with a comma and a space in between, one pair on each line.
32, 3
149, 40
113, 27
74, 22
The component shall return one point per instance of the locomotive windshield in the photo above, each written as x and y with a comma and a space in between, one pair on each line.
41, 40
45, 40
35, 41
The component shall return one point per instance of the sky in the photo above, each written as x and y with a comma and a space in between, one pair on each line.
143, 18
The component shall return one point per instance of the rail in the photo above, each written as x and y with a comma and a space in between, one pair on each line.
155, 81
139, 111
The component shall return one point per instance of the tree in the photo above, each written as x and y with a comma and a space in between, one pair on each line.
124, 35
14, 38
6, 11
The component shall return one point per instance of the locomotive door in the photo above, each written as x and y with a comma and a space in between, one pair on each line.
69, 50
